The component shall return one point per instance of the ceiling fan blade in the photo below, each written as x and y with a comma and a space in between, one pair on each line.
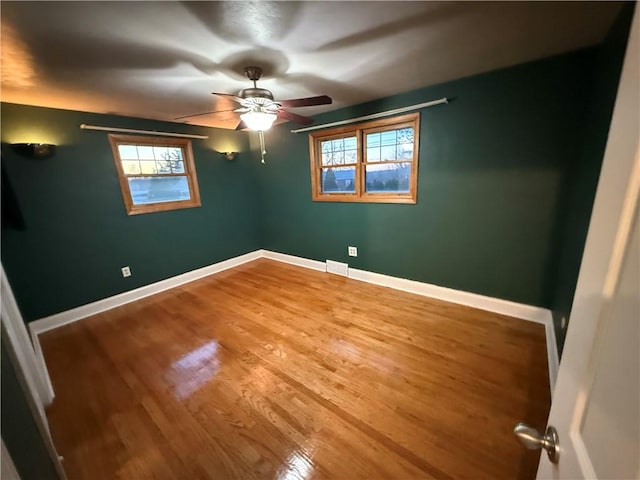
203, 113
241, 125
234, 97
294, 117
306, 102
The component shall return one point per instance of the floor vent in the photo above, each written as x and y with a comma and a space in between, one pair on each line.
338, 268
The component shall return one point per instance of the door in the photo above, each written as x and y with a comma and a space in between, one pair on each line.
17, 335
596, 400
32, 390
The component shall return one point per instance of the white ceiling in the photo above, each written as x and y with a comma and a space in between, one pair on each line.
162, 60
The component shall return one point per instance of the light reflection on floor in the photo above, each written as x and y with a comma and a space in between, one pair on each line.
297, 467
195, 369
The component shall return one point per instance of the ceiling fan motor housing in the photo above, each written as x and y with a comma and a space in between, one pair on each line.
259, 103
259, 96
252, 97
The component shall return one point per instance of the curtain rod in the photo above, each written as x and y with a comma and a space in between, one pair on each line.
374, 115
153, 132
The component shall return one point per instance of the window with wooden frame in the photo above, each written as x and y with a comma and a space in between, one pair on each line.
156, 174
375, 161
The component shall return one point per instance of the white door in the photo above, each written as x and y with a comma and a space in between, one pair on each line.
596, 402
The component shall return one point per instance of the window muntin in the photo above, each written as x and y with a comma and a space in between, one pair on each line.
339, 151
371, 162
156, 174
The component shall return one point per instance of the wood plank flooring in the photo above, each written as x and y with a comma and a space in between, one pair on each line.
271, 371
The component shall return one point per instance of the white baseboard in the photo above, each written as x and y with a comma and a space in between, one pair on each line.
59, 319
491, 304
37, 350
293, 260
475, 300
495, 305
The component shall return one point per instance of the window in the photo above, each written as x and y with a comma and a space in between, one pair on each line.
156, 174
370, 162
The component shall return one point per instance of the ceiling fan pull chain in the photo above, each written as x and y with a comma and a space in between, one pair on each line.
263, 150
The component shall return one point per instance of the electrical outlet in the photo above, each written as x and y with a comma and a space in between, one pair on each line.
353, 251
126, 271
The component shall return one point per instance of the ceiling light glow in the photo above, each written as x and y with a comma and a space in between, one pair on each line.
258, 121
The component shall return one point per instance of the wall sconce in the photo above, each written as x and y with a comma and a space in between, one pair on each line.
34, 150
229, 155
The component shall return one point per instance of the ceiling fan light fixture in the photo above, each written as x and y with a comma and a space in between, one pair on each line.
258, 121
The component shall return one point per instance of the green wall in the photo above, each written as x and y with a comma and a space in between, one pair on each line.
582, 178
491, 167
77, 235
507, 175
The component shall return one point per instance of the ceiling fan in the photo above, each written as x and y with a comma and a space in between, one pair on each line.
258, 109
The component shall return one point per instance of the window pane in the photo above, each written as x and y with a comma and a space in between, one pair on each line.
373, 140
131, 167
175, 153
339, 151
339, 180
148, 166
128, 152
333, 158
158, 189
177, 166
145, 153
327, 154
405, 151
373, 154
163, 166
388, 153
388, 177
350, 143
389, 138
405, 135
161, 153
394, 145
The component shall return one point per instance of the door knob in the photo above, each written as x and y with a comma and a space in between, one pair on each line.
533, 440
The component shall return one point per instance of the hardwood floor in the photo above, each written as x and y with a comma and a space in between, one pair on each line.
271, 371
